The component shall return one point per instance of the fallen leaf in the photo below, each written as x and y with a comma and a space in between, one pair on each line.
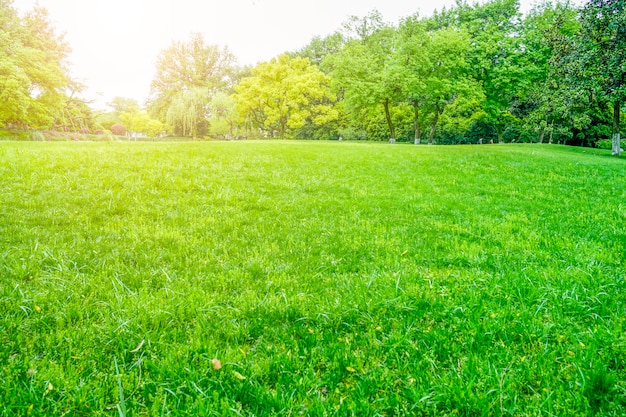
217, 365
38, 309
350, 369
239, 376
138, 347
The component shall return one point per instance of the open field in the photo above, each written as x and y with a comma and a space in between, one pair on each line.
327, 279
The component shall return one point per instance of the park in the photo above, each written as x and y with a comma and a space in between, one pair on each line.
419, 219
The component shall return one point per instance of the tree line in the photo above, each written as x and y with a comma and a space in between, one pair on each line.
468, 74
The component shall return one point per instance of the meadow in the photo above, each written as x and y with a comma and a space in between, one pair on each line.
322, 279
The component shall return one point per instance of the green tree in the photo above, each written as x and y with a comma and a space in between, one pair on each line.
188, 110
496, 57
224, 115
363, 70
33, 68
187, 72
124, 105
432, 68
552, 105
602, 57
320, 48
139, 121
285, 94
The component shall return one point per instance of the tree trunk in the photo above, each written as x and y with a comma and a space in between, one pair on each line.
542, 132
418, 133
551, 132
392, 130
499, 131
616, 128
433, 125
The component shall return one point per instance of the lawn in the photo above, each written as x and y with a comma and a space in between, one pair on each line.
300, 278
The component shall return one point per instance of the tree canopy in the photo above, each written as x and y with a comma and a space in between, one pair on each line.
467, 74
188, 74
33, 69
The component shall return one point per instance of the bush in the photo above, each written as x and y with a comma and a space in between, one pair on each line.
118, 129
608, 144
84, 131
37, 136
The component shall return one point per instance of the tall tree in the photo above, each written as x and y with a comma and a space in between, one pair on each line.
33, 68
185, 68
188, 110
496, 55
549, 32
433, 71
602, 56
224, 116
363, 70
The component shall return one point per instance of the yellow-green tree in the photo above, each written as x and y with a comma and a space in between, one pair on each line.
33, 71
285, 94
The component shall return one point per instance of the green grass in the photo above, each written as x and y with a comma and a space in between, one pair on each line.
328, 279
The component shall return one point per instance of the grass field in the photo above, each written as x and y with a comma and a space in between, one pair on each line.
324, 278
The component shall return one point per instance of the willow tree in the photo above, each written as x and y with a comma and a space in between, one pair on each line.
185, 72
187, 109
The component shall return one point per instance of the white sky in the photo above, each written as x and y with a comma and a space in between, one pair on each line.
115, 42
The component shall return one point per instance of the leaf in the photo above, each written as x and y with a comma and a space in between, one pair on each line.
217, 365
239, 376
138, 347
350, 369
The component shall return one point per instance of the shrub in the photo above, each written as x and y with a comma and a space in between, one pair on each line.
84, 131
37, 135
118, 129
608, 144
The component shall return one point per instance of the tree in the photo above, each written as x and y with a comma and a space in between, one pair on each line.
496, 55
363, 70
602, 56
224, 115
183, 71
285, 94
124, 105
549, 32
320, 48
138, 121
431, 67
188, 109
33, 70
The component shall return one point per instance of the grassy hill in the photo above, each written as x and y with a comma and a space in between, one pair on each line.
320, 278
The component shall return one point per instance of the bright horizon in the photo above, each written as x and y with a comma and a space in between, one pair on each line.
115, 42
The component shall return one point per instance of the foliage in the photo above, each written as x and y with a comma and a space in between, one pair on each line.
33, 69
224, 115
328, 279
284, 95
119, 130
140, 122
188, 74
362, 70
600, 56
188, 110
608, 144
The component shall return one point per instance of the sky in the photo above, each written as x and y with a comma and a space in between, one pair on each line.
115, 43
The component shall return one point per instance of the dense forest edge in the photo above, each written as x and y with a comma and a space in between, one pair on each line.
474, 73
